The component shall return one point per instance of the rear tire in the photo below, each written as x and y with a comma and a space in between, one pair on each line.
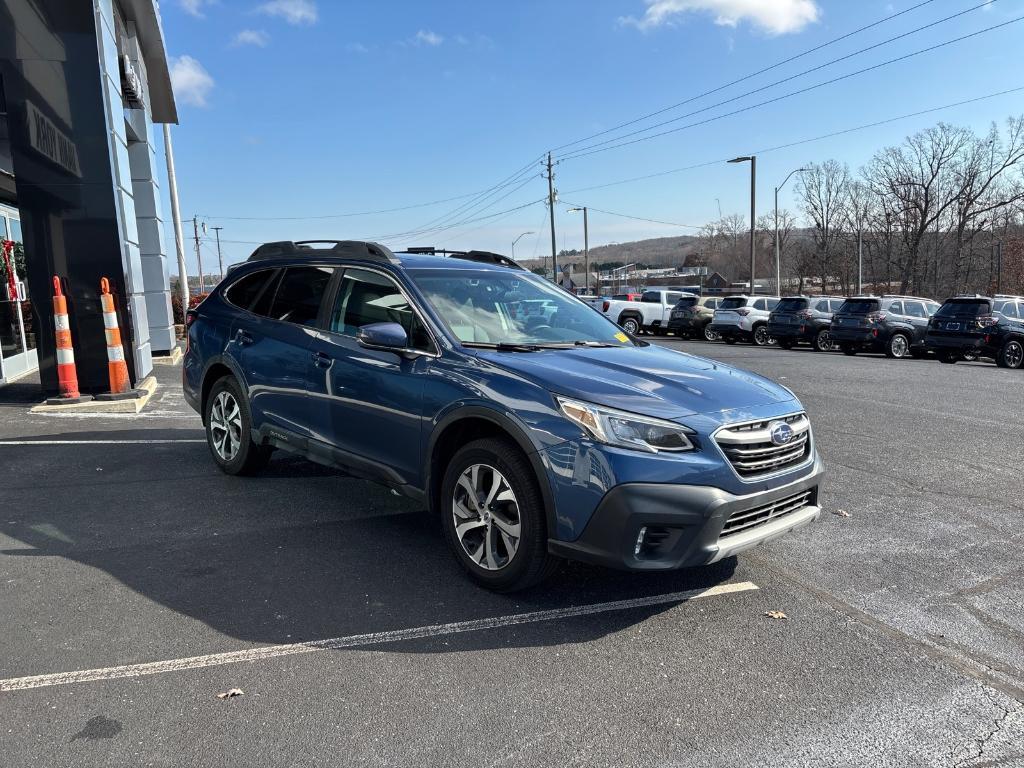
729, 339
710, 335
823, 341
786, 343
898, 346
480, 528
761, 337
1011, 355
630, 325
949, 358
229, 430
848, 349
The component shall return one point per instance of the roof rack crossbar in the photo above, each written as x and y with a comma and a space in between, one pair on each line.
356, 249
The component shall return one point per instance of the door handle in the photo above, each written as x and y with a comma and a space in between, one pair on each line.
320, 360
243, 338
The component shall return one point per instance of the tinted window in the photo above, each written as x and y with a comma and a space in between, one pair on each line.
822, 306
711, 303
651, 297
672, 298
243, 293
733, 302
969, 308
859, 306
686, 302
367, 297
914, 309
792, 305
299, 295
622, 297
895, 307
760, 304
931, 307
835, 304
1007, 309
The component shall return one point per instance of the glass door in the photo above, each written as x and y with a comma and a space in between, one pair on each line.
17, 321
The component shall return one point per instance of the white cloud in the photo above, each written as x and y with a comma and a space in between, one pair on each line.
193, 7
256, 37
426, 37
356, 48
190, 81
777, 17
293, 11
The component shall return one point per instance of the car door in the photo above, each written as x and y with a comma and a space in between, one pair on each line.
272, 345
917, 317
367, 403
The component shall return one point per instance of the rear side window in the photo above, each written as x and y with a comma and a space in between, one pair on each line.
822, 306
651, 297
733, 302
895, 307
244, 292
672, 298
859, 306
970, 308
761, 304
792, 305
299, 295
1009, 309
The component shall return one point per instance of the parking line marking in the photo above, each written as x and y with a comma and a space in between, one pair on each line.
100, 442
353, 641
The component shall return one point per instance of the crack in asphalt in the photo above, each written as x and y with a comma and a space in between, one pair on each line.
981, 743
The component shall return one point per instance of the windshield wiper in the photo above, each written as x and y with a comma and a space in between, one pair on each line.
594, 344
504, 346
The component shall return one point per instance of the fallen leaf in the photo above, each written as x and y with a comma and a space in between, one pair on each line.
841, 513
231, 694
776, 615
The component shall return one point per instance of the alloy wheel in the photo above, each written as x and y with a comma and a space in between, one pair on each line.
899, 345
631, 326
761, 336
1013, 354
486, 514
226, 426
710, 335
824, 341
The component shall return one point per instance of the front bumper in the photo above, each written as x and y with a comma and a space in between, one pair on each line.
687, 521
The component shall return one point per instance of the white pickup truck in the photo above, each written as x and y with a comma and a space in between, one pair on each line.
651, 313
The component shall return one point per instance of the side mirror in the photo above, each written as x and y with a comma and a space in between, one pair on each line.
390, 336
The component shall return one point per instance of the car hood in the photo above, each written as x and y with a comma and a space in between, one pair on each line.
649, 380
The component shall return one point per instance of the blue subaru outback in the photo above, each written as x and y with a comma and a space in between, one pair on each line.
533, 426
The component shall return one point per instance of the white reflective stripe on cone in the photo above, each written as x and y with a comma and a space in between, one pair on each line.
115, 354
62, 323
110, 319
65, 356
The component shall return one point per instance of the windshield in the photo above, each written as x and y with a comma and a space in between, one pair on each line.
733, 302
858, 306
791, 305
492, 307
963, 309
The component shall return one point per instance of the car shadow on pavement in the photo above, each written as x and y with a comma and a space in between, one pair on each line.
299, 553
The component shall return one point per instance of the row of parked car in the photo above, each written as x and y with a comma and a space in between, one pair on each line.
962, 328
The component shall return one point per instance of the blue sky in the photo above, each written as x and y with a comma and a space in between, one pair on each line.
304, 108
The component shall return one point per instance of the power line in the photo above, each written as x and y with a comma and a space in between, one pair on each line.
780, 82
800, 142
792, 93
746, 77
639, 218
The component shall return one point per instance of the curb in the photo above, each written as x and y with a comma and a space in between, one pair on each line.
135, 404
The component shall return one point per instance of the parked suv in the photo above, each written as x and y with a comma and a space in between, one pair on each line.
691, 317
532, 439
804, 319
895, 325
966, 327
744, 317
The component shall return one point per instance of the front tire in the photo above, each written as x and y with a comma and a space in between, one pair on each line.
229, 430
1011, 355
493, 516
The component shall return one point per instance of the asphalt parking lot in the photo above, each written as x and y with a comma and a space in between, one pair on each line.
126, 556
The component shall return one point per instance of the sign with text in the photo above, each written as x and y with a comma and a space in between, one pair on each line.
48, 140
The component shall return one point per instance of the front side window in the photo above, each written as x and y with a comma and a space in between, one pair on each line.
1008, 309
489, 307
366, 297
299, 295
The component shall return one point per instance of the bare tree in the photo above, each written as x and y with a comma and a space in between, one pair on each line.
824, 192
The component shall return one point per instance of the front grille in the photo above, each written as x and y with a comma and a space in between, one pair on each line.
745, 519
750, 450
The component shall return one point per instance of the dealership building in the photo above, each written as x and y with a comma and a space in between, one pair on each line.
82, 83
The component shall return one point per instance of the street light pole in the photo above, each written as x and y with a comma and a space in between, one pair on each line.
517, 240
586, 249
752, 159
778, 259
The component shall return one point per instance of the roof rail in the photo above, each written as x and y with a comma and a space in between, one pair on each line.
482, 257
353, 249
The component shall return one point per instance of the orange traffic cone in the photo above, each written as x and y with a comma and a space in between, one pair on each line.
116, 366
67, 374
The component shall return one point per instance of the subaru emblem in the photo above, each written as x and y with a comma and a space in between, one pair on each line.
781, 433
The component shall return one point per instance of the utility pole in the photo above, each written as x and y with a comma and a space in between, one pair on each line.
586, 249
220, 259
860, 260
199, 255
778, 254
179, 237
551, 208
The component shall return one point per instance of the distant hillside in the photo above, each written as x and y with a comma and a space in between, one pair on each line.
656, 252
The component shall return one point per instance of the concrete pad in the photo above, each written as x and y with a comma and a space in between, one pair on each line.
146, 389
172, 358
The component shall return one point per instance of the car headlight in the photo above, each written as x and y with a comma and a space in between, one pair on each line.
627, 430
